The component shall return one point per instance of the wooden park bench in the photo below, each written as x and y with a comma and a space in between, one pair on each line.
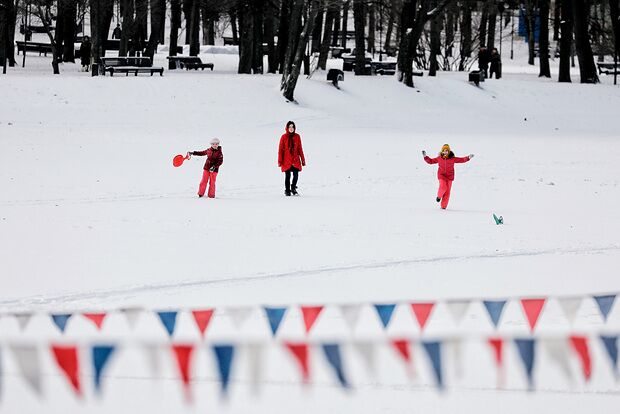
476, 76
228, 41
44, 48
608, 68
187, 62
337, 51
129, 65
384, 68
348, 64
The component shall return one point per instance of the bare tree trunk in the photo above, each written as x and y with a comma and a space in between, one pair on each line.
69, 31
316, 31
566, 40
268, 31
4, 36
451, 13
336, 31
359, 23
194, 29
291, 81
345, 23
156, 12
283, 32
332, 12
484, 18
162, 23
233, 25
141, 26
372, 26
614, 6
466, 43
59, 29
390, 27
435, 42
12, 22
246, 40
543, 40
128, 27
175, 25
293, 38
530, 21
257, 55
556, 20
187, 13
492, 23
587, 68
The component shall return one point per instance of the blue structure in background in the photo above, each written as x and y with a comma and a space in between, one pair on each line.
523, 26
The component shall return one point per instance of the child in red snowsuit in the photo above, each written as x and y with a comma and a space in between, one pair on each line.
445, 173
290, 157
215, 158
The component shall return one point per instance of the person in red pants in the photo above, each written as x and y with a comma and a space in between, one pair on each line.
445, 173
290, 158
215, 158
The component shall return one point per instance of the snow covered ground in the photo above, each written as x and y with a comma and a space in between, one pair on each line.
94, 216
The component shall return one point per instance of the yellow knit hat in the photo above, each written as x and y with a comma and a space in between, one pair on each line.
445, 147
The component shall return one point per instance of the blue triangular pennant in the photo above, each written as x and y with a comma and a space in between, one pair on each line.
60, 320
224, 355
433, 350
604, 304
275, 316
101, 356
527, 350
495, 309
332, 353
611, 345
385, 313
169, 320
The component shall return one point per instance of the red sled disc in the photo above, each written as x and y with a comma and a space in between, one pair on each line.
177, 161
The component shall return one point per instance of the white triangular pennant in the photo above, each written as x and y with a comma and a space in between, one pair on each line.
255, 357
557, 349
455, 345
351, 314
366, 350
23, 319
239, 315
28, 363
152, 353
458, 309
570, 306
132, 315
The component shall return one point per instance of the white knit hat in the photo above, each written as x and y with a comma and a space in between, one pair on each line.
215, 141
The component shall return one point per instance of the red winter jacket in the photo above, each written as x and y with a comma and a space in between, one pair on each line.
215, 158
290, 152
446, 165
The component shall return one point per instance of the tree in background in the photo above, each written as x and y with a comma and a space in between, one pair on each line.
543, 44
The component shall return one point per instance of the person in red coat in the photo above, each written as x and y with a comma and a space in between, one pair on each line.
445, 173
215, 158
290, 157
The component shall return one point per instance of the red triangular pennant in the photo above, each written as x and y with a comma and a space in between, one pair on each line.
422, 311
67, 359
300, 351
580, 345
183, 356
310, 314
96, 318
497, 344
202, 318
402, 347
532, 309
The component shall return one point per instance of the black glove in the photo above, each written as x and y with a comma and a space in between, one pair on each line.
212, 169
424, 153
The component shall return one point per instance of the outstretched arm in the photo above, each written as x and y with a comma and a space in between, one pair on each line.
459, 160
199, 153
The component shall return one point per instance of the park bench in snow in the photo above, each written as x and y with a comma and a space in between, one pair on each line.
608, 68
187, 62
129, 65
34, 47
476, 76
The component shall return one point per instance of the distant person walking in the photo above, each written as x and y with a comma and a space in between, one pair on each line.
85, 49
484, 57
116, 33
215, 158
290, 158
496, 64
445, 173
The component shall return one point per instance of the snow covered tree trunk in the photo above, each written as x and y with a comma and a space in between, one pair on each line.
330, 16
175, 25
587, 68
156, 13
290, 82
466, 44
543, 40
566, 40
358, 19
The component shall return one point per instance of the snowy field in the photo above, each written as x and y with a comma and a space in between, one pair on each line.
93, 216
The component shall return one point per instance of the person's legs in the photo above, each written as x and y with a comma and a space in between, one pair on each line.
203, 183
295, 178
287, 181
442, 188
446, 196
212, 178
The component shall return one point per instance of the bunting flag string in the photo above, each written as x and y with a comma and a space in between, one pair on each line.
275, 316
570, 306
494, 309
604, 304
433, 351
310, 314
183, 356
22, 320
611, 346
300, 351
532, 309
29, 365
458, 309
132, 315
224, 356
66, 357
202, 319
96, 318
422, 312
557, 350
169, 320
580, 346
351, 314
239, 315
385, 313
497, 346
61, 320
403, 348
527, 349
332, 354
101, 355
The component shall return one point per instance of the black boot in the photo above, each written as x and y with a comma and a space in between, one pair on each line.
438, 199
294, 191
287, 193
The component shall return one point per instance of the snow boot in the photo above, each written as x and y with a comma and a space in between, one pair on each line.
294, 191
438, 199
287, 193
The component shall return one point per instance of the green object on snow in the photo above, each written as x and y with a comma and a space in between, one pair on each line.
498, 220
